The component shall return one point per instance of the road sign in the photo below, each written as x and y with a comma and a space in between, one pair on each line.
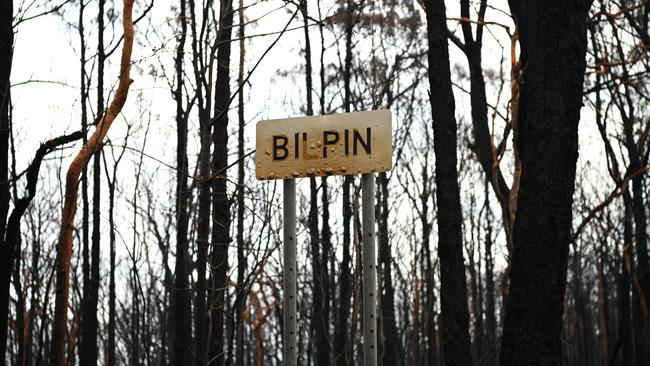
337, 144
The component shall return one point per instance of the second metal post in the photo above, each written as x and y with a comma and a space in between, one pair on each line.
369, 271
289, 276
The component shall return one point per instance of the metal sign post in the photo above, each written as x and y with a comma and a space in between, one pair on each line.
369, 270
338, 144
289, 278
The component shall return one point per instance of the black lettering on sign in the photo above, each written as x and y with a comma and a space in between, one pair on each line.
296, 146
334, 135
346, 142
280, 147
366, 144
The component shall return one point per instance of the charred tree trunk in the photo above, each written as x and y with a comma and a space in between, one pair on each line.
320, 311
85, 231
13, 235
85, 218
603, 303
326, 233
20, 303
392, 350
553, 46
6, 252
35, 279
482, 144
84, 179
490, 306
204, 103
111, 284
202, 238
181, 304
221, 204
625, 342
240, 299
453, 292
88, 349
342, 346
429, 277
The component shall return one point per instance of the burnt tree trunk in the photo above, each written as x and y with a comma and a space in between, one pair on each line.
490, 306
88, 349
320, 291
391, 344
240, 298
326, 233
202, 238
13, 233
220, 203
85, 250
111, 284
181, 303
84, 181
625, 342
342, 342
428, 272
204, 184
482, 144
453, 291
6, 57
553, 46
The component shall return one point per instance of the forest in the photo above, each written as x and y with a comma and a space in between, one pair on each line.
511, 228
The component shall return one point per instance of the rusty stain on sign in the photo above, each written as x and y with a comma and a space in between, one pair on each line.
337, 144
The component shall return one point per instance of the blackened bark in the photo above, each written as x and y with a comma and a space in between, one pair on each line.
6, 57
240, 298
20, 308
35, 279
204, 186
326, 244
320, 314
326, 233
85, 219
181, 306
453, 291
490, 306
342, 343
641, 288
553, 46
429, 280
482, 144
88, 349
84, 181
578, 319
111, 284
220, 203
642, 297
13, 232
320, 311
625, 342
202, 237
603, 302
392, 350
341, 339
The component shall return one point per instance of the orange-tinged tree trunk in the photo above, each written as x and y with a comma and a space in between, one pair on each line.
64, 245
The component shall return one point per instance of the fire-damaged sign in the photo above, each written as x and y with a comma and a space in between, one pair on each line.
337, 144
